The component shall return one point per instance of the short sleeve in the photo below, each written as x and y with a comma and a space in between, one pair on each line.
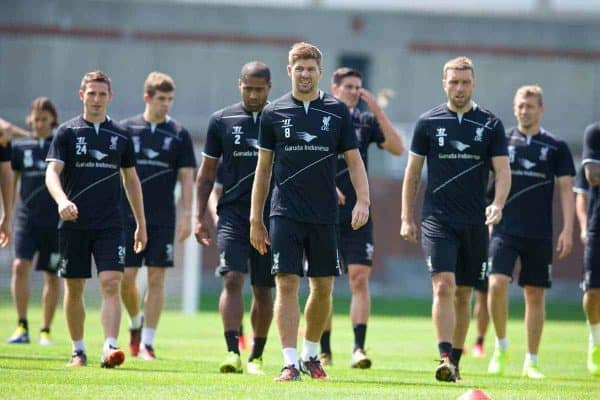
347, 139
420, 141
58, 150
581, 184
266, 132
564, 161
213, 147
186, 157
498, 143
591, 144
128, 158
375, 130
16, 160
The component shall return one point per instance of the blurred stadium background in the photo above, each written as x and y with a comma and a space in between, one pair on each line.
46, 47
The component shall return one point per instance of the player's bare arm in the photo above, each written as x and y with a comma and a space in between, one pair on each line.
6, 187
358, 176
393, 139
581, 204
259, 236
493, 212
205, 179
66, 209
133, 191
8, 131
410, 187
564, 244
186, 181
592, 173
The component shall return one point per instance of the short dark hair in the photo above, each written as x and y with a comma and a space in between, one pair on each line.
344, 72
95, 76
256, 69
42, 104
305, 51
158, 81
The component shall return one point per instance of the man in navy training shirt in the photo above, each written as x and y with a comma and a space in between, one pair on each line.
301, 135
591, 258
36, 221
461, 141
233, 137
164, 154
357, 246
88, 155
536, 158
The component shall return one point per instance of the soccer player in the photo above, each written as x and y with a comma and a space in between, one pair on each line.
461, 141
301, 135
6, 194
357, 246
164, 154
581, 188
537, 158
87, 156
591, 258
36, 221
233, 136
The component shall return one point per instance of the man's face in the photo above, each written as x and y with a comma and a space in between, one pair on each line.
348, 91
528, 111
255, 92
160, 104
305, 75
95, 98
41, 122
459, 85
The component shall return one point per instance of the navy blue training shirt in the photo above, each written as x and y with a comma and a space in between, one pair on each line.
591, 154
5, 152
458, 148
581, 185
233, 135
367, 131
36, 208
535, 161
160, 150
306, 138
92, 155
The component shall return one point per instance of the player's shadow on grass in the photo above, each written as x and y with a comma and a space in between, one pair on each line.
34, 358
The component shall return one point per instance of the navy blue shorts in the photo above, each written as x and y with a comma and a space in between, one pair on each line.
457, 248
482, 285
591, 263
235, 251
291, 240
535, 255
78, 245
356, 246
158, 251
44, 241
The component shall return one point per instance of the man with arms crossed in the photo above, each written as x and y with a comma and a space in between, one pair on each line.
461, 142
591, 258
536, 158
87, 157
357, 246
301, 135
233, 135
164, 154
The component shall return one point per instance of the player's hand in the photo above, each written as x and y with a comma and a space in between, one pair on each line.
493, 214
259, 237
360, 215
583, 236
409, 231
564, 244
184, 228
68, 210
202, 234
340, 196
369, 99
140, 239
5, 231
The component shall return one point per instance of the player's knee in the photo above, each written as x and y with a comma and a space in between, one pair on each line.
498, 283
321, 288
444, 288
592, 296
156, 281
110, 285
462, 297
233, 282
359, 283
51, 279
21, 268
287, 285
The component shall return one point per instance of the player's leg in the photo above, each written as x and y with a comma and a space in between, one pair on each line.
482, 316
326, 356
503, 255
48, 263
462, 310
25, 247
591, 301
130, 294
75, 318
360, 308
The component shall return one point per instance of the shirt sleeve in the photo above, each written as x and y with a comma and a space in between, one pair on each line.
58, 150
420, 141
347, 139
498, 143
591, 145
581, 184
213, 147
186, 156
16, 160
128, 158
564, 161
266, 132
